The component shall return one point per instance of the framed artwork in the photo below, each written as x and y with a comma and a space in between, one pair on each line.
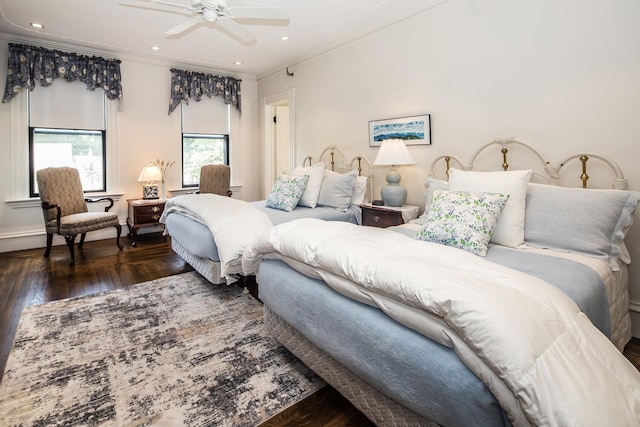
414, 130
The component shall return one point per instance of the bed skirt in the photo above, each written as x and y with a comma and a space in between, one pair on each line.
210, 270
379, 408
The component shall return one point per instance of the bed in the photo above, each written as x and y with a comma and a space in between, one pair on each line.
210, 231
419, 332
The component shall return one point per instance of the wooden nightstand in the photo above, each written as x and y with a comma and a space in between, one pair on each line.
387, 216
143, 213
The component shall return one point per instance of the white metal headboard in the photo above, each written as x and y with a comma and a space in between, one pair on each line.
552, 170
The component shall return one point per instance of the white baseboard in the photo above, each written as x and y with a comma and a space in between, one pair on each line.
10, 242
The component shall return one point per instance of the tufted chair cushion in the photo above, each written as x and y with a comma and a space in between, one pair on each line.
215, 179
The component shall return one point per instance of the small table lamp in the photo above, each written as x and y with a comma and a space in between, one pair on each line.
393, 152
150, 174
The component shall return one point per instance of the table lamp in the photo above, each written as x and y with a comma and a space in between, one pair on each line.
151, 175
393, 152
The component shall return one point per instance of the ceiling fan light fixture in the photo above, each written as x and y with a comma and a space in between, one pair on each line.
284, 38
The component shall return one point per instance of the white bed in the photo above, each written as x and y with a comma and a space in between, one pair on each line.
423, 333
210, 232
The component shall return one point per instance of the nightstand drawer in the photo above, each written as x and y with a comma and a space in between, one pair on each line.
381, 217
148, 214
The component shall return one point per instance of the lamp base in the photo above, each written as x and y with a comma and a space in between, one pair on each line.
393, 194
150, 191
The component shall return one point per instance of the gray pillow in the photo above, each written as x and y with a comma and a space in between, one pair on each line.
337, 189
590, 222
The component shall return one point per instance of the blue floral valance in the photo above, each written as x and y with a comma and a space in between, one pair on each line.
31, 64
187, 85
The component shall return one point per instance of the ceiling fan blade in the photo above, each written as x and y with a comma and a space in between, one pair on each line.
155, 9
180, 28
169, 3
236, 29
279, 13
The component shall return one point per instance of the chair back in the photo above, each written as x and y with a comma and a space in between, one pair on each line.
215, 179
61, 186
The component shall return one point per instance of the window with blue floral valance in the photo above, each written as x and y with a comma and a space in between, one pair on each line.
187, 85
30, 64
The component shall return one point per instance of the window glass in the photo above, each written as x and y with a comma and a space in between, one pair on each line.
199, 150
80, 149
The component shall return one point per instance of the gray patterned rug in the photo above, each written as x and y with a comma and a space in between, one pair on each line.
173, 351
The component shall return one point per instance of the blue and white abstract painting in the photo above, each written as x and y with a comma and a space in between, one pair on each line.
414, 130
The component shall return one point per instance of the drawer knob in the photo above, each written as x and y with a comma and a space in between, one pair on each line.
376, 218
155, 217
155, 209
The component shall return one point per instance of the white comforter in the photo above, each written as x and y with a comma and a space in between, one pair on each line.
232, 222
540, 356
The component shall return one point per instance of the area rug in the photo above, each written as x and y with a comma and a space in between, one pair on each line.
173, 351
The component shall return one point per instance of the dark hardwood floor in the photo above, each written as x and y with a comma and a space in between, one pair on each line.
27, 278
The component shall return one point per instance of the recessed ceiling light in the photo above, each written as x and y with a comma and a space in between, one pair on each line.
37, 25
284, 38
237, 63
155, 47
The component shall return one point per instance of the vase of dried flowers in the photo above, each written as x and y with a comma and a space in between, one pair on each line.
163, 166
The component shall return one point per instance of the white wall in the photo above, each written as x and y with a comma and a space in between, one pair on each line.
562, 76
144, 132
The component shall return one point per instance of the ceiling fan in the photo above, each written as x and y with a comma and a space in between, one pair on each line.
223, 15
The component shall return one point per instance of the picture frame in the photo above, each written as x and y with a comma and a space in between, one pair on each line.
413, 130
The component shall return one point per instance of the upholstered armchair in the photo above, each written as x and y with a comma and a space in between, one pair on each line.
215, 179
65, 208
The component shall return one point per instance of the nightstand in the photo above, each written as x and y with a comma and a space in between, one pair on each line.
387, 216
143, 213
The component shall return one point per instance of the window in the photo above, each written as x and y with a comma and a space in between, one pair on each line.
80, 149
199, 150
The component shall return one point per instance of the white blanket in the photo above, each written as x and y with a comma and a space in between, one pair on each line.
232, 222
540, 356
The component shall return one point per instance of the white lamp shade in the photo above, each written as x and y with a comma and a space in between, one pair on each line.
393, 152
150, 173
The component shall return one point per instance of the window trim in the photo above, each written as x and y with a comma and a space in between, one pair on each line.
204, 135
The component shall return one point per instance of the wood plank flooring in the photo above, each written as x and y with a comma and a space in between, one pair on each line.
27, 278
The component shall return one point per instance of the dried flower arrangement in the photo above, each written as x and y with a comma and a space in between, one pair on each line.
163, 166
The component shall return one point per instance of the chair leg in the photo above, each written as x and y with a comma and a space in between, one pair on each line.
81, 243
70, 240
49, 242
119, 228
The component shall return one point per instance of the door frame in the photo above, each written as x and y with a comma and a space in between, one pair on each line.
269, 104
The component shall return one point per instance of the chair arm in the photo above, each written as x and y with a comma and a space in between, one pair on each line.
47, 206
109, 199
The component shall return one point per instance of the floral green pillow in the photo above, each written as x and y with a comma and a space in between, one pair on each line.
286, 192
463, 219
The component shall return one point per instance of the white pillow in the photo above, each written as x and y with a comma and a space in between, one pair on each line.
432, 185
312, 191
359, 190
337, 189
510, 228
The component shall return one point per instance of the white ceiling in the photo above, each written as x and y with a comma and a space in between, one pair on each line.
314, 26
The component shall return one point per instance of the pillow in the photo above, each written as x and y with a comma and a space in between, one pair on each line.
359, 190
286, 192
463, 219
590, 222
337, 189
510, 228
432, 184
312, 191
